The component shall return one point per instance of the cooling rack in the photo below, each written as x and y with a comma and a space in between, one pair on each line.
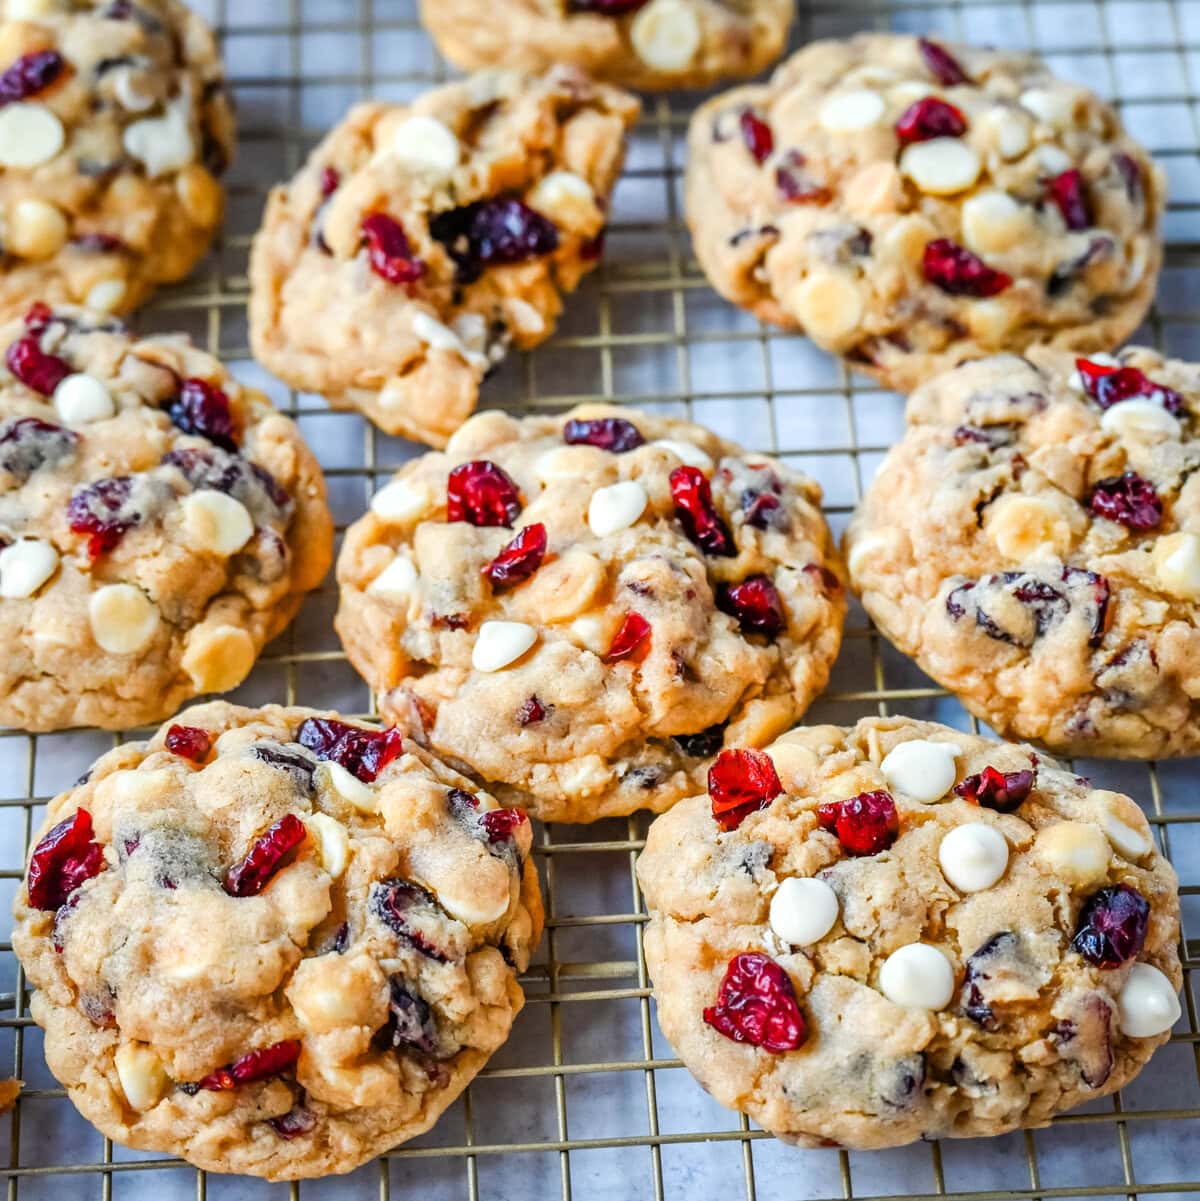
587, 1101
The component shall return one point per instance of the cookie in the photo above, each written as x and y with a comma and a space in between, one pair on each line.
908, 205
115, 129
867, 936
583, 609
273, 942
652, 46
159, 523
420, 241
1034, 543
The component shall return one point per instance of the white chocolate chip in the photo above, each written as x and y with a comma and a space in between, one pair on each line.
81, 399
973, 856
1053, 107
426, 145
500, 643
218, 656
1053, 159
917, 976
941, 166
1139, 418
1176, 559
994, 222
123, 618
864, 549
566, 463
616, 507
829, 305
398, 578
922, 770
105, 296
568, 199
216, 522
1023, 527
333, 843
30, 134
666, 34
850, 112
36, 230
1148, 1003
1010, 129
141, 1074
128, 85
803, 910
25, 566
401, 501
441, 337
905, 94
336, 779
1076, 852
162, 144
523, 317
686, 452
1117, 813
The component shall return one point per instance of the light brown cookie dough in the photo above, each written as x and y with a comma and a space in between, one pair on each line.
115, 126
419, 241
907, 932
537, 605
272, 942
652, 46
159, 523
1034, 543
908, 205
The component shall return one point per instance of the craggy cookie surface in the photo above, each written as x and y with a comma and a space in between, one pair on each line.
114, 130
896, 931
159, 523
420, 240
582, 609
1034, 543
647, 44
909, 205
272, 942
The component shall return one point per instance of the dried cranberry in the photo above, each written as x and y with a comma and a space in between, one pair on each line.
30, 74
261, 493
756, 1004
929, 118
795, 184
1097, 592
38, 318
763, 510
519, 559
1130, 174
1112, 926
296, 1123
500, 230
363, 753
412, 1023
757, 135
29, 443
189, 742
756, 604
1003, 791
35, 369
1108, 386
203, 409
249, 877
389, 251
694, 507
607, 8
299, 767
63, 861
1129, 499
1085, 1038
593, 247
608, 433
828, 581
499, 824
98, 243
741, 782
411, 912
531, 712
257, 1065
865, 824
482, 493
955, 270
991, 436
101, 511
331, 180
943, 66
1067, 192
703, 744
632, 640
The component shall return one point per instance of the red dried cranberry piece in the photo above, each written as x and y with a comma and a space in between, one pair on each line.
98, 243
203, 409
265, 857
795, 184
608, 433
297, 1122
389, 252
607, 8
41, 372
943, 66
100, 511
929, 118
757, 135
955, 270
189, 742
38, 317
331, 180
756, 1004
482, 493
257, 1065
694, 507
1067, 191
1097, 592
865, 824
412, 913
62, 861
1130, 173
30, 74
756, 604
593, 248
363, 753
1129, 499
29, 443
501, 230
632, 640
1108, 386
827, 579
762, 509
531, 712
703, 744
1003, 791
741, 782
499, 824
519, 559
1112, 926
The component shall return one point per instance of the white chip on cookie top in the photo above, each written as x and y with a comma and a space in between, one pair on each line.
142, 1075
123, 618
501, 643
30, 134
82, 398
616, 507
426, 145
25, 565
401, 500
973, 856
687, 453
921, 769
217, 522
1140, 419
348, 787
666, 34
851, 112
1148, 1003
803, 910
917, 976
398, 578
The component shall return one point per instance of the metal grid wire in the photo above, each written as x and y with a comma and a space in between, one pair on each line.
587, 1100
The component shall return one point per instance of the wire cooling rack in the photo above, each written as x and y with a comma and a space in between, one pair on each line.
587, 1101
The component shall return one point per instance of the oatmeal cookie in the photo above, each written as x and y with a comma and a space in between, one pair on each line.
583, 609
908, 205
159, 523
273, 942
115, 128
421, 240
652, 45
1034, 543
866, 936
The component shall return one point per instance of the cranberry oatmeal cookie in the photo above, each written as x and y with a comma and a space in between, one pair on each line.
274, 942
1034, 543
159, 523
420, 241
652, 45
866, 936
908, 205
115, 126
583, 609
